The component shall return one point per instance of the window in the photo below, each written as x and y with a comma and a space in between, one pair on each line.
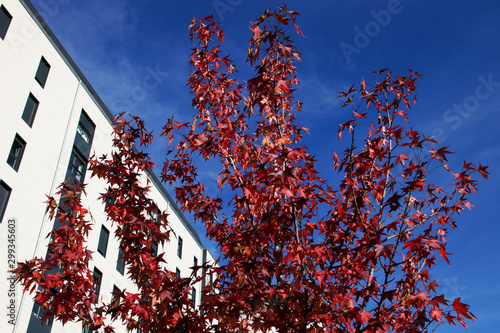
193, 296
36, 324
87, 329
179, 247
76, 167
195, 263
103, 241
30, 110
4, 197
16, 152
5, 19
116, 295
177, 273
110, 200
84, 134
42, 72
97, 281
155, 217
120, 264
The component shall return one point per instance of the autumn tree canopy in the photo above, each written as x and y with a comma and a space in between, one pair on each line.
298, 253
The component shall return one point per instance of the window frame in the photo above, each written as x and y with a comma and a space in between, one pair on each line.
120, 263
79, 156
36, 324
97, 281
179, 247
102, 246
41, 76
4, 202
6, 14
86, 125
195, 264
115, 300
84, 134
30, 111
193, 296
16, 153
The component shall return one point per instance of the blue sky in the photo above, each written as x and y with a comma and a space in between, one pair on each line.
455, 44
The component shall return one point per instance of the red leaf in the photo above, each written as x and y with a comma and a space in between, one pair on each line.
365, 316
443, 253
462, 309
384, 250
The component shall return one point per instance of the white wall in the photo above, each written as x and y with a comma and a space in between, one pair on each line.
48, 148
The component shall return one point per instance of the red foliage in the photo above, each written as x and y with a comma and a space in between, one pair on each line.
297, 255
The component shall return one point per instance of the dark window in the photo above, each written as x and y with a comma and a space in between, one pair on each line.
5, 19
16, 152
84, 134
87, 329
30, 110
116, 295
4, 198
103, 241
177, 273
195, 263
193, 296
179, 247
97, 281
110, 200
36, 325
120, 264
155, 216
76, 167
42, 72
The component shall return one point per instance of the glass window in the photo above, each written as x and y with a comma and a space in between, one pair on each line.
97, 281
76, 167
86, 126
30, 110
4, 198
87, 329
103, 241
195, 263
193, 295
155, 216
110, 200
16, 152
179, 247
36, 325
116, 295
84, 134
120, 264
42, 72
177, 273
5, 19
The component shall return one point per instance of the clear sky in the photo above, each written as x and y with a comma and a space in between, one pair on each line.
455, 44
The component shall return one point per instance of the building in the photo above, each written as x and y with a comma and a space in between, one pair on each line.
51, 121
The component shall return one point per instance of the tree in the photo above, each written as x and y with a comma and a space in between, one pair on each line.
297, 254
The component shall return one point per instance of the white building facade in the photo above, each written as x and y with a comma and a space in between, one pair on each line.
51, 121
